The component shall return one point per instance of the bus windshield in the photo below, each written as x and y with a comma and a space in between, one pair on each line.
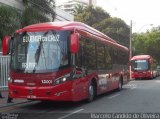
138, 65
40, 52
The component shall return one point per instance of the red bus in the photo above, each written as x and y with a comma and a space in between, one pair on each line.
142, 67
64, 61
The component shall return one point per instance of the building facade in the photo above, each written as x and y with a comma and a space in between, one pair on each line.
70, 4
92, 2
60, 14
13, 3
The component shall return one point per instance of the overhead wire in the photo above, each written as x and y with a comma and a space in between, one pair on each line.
47, 10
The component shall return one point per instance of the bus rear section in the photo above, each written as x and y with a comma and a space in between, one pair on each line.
141, 67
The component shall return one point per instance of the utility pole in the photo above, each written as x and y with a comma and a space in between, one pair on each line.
130, 42
90, 2
130, 49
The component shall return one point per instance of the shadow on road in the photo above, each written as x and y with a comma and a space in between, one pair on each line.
59, 106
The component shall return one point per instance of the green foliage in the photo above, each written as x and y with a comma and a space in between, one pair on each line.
139, 44
78, 9
148, 43
96, 17
31, 16
91, 15
10, 20
37, 11
115, 28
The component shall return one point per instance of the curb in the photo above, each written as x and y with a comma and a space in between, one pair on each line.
4, 96
14, 104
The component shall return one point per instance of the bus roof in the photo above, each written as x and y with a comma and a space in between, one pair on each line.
138, 57
70, 25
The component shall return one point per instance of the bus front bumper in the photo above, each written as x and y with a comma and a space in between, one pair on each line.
141, 75
56, 93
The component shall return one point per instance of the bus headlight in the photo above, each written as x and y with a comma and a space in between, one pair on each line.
10, 80
60, 80
63, 79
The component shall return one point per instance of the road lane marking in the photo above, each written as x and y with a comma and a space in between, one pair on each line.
133, 88
7, 109
71, 114
130, 85
113, 96
158, 81
16, 106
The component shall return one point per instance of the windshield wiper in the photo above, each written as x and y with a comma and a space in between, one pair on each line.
38, 52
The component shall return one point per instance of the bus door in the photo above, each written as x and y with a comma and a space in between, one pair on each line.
80, 83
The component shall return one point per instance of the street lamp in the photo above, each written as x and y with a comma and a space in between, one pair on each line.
144, 26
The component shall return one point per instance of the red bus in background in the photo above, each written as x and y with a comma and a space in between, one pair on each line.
64, 61
142, 67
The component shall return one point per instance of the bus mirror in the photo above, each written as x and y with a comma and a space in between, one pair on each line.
150, 60
5, 45
74, 43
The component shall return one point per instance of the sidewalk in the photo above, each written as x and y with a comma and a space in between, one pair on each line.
3, 101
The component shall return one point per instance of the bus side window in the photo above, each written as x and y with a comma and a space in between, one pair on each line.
80, 57
100, 56
90, 54
108, 60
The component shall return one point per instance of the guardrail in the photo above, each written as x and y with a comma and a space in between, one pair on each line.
4, 70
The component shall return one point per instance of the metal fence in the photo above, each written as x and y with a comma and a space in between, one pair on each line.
4, 70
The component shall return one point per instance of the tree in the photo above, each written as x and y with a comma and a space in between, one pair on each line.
91, 15
78, 9
37, 11
10, 20
115, 28
96, 17
148, 43
139, 44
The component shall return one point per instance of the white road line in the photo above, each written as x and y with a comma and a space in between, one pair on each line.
157, 81
130, 85
133, 88
71, 114
113, 96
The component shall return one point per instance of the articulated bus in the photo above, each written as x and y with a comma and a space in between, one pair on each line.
64, 61
142, 67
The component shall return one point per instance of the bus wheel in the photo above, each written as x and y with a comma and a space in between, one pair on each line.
152, 77
91, 92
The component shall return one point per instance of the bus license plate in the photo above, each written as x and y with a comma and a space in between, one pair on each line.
31, 97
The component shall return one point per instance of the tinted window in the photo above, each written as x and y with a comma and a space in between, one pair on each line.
100, 56
139, 65
40, 51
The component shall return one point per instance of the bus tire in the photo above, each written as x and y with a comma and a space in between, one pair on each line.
91, 92
152, 77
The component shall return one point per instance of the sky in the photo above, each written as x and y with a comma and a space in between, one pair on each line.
144, 14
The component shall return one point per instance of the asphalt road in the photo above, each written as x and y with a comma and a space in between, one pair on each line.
140, 96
